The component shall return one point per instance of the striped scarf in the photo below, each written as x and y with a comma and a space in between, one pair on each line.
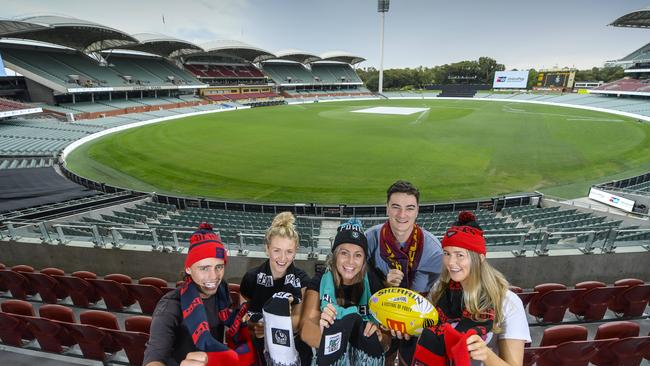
195, 321
406, 259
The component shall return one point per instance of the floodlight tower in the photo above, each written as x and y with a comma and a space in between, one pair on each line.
382, 8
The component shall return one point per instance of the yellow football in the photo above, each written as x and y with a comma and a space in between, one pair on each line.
403, 310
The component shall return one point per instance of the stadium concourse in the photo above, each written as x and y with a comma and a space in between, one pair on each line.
96, 258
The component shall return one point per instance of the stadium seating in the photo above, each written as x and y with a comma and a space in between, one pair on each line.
630, 301
16, 283
572, 346
334, 73
591, 305
288, 73
46, 286
47, 328
533, 354
551, 302
93, 340
13, 326
147, 292
111, 288
72, 69
81, 292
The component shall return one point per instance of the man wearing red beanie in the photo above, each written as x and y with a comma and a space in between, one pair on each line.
197, 315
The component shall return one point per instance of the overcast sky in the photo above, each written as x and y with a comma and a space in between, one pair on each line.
518, 33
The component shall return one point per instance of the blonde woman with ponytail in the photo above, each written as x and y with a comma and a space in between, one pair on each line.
276, 275
481, 322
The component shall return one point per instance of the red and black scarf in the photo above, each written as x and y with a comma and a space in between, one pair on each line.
404, 259
195, 321
445, 342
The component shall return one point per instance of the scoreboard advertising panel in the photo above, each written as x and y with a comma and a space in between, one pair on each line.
510, 79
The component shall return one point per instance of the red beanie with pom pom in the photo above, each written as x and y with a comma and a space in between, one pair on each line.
463, 236
205, 243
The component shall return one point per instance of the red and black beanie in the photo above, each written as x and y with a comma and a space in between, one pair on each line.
466, 233
205, 243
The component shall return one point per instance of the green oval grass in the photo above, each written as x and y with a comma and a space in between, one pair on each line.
323, 153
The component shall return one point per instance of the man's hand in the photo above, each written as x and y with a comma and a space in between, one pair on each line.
394, 277
195, 359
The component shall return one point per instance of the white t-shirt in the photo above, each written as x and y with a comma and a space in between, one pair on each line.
515, 324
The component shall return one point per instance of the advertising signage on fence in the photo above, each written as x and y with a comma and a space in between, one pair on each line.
610, 199
510, 79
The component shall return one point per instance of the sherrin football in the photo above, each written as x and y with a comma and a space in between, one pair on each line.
403, 310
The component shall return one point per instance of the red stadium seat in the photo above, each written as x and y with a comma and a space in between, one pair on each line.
591, 305
12, 329
22, 268
550, 305
46, 286
53, 271
134, 344
13, 324
631, 302
153, 281
50, 333
138, 323
563, 333
135, 338
102, 319
115, 295
118, 277
94, 334
93, 341
573, 353
81, 292
620, 329
16, 283
532, 354
617, 304
146, 295
624, 352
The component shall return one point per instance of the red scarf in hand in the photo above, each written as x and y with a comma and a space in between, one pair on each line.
404, 259
439, 345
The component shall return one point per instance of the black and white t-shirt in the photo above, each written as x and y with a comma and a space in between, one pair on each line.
258, 285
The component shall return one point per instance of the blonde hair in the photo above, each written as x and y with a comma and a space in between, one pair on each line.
282, 226
358, 284
484, 290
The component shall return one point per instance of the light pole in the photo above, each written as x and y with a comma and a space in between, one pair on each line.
382, 8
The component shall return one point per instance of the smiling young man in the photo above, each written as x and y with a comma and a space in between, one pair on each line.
194, 317
407, 255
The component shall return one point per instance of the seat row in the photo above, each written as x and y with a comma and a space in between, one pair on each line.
84, 288
615, 343
588, 300
52, 284
97, 333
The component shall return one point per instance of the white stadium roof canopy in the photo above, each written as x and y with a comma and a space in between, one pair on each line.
78, 34
341, 56
297, 55
234, 48
162, 45
635, 19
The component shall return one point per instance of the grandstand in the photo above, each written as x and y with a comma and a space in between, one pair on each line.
636, 63
307, 76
